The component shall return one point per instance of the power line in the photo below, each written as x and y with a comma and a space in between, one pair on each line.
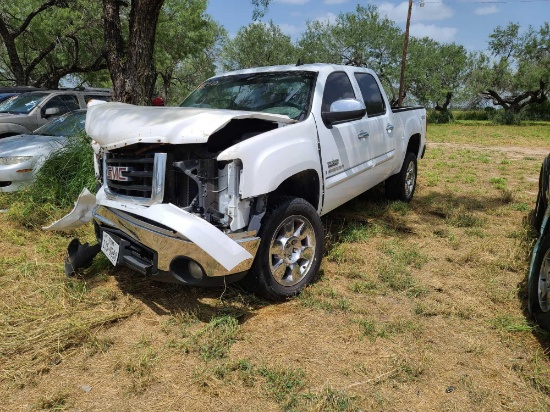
487, 2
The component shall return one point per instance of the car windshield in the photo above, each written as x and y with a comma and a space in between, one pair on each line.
70, 124
22, 104
287, 93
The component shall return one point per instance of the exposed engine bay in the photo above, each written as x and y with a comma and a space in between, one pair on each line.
186, 175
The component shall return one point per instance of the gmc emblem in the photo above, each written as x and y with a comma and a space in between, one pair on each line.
115, 173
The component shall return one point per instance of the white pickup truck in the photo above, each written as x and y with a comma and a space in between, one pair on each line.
231, 185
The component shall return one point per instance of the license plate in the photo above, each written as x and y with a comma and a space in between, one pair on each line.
110, 247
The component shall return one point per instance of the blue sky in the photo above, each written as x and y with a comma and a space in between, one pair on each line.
466, 22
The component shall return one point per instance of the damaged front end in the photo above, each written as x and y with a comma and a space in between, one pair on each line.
173, 211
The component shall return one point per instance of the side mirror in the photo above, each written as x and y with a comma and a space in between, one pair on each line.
344, 110
51, 111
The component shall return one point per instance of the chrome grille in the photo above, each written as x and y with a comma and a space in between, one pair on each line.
136, 177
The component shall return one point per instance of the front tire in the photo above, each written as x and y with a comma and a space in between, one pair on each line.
539, 285
290, 252
542, 201
402, 185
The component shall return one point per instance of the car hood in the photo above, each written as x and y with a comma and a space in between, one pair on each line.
30, 145
115, 125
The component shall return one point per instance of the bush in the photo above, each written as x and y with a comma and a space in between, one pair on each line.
57, 184
484, 114
438, 117
506, 117
539, 111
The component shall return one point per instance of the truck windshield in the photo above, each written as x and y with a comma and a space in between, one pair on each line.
22, 104
286, 93
71, 124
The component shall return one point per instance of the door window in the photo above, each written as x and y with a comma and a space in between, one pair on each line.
65, 103
337, 87
372, 96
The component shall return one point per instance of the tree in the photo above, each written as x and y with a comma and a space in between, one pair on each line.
174, 60
363, 38
435, 72
44, 40
516, 74
258, 44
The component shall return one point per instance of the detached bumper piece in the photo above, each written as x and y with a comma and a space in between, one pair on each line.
79, 256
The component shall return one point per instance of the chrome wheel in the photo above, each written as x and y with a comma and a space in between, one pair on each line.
544, 283
410, 179
292, 250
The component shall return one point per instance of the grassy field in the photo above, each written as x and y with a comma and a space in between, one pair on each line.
420, 307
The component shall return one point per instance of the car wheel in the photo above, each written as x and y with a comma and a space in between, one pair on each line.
542, 201
539, 285
402, 185
290, 251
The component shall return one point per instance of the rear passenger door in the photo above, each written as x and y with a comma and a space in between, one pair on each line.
381, 138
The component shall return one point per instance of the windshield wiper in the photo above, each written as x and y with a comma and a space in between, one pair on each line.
10, 112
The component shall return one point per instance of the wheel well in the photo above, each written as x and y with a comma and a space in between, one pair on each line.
304, 185
414, 144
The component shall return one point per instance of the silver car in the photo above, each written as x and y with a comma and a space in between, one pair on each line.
22, 156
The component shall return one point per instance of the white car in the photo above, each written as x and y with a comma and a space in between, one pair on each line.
23, 155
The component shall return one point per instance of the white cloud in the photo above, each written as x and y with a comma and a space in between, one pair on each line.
441, 34
298, 2
327, 18
335, 1
482, 11
430, 12
290, 29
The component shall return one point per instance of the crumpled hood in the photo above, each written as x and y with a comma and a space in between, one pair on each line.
30, 145
115, 125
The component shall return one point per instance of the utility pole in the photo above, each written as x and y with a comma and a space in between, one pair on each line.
404, 59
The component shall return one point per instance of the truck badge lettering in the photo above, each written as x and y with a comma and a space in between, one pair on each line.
115, 173
333, 163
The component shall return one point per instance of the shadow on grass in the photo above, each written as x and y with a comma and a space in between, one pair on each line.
203, 303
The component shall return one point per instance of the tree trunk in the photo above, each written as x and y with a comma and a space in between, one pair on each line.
131, 65
445, 106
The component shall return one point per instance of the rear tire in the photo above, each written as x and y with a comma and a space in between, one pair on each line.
402, 185
290, 251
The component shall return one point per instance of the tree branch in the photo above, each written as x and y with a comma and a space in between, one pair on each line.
33, 14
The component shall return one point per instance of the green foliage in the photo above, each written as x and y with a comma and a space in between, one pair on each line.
63, 38
539, 111
506, 117
437, 117
57, 184
363, 38
516, 74
433, 71
256, 45
484, 114
184, 63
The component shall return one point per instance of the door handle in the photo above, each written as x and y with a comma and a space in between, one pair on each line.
363, 135
389, 128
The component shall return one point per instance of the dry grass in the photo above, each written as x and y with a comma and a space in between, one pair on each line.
420, 307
